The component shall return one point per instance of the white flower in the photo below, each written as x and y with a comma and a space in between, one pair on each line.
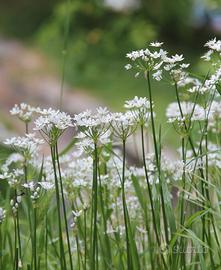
214, 45
137, 103
174, 59
128, 66
146, 60
189, 110
184, 65
93, 125
207, 55
214, 157
27, 146
31, 185
214, 50
214, 116
156, 44
88, 119
139, 108
23, 111
46, 185
157, 75
123, 124
80, 171
2, 215
77, 213
52, 118
51, 124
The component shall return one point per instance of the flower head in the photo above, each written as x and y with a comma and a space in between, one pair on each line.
123, 124
52, 124
147, 60
93, 125
23, 111
26, 146
139, 108
189, 111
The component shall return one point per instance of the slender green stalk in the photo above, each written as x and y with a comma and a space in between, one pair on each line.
151, 196
182, 212
62, 254
64, 208
28, 200
15, 246
85, 240
208, 197
157, 158
1, 248
195, 154
102, 205
35, 239
94, 245
129, 263
46, 242
18, 232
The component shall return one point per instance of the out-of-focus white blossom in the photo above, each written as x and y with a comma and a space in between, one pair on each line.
2, 215
27, 146
123, 124
139, 108
189, 111
24, 111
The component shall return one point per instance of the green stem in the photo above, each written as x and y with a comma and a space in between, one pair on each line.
195, 155
1, 248
28, 201
46, 243
102, 204
182, 211
64, 208
18, 231
157, 158
35, 239
15, 245
151, 196
94, 211
85, 239
129, 263
62, 254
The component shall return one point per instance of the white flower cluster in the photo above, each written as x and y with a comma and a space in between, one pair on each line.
209, 85
53, 118
147, 60
24, 111
123, 124
157, 61
214, 117
214, 48
27, 146
139, 108
93, 126
52, 123
186, 111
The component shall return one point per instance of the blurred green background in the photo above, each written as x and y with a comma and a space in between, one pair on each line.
93, 36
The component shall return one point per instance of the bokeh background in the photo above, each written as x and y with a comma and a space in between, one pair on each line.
80, 46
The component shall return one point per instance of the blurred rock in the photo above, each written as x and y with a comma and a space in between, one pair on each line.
26, 76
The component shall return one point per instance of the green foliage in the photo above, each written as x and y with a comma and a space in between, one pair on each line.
21, 18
